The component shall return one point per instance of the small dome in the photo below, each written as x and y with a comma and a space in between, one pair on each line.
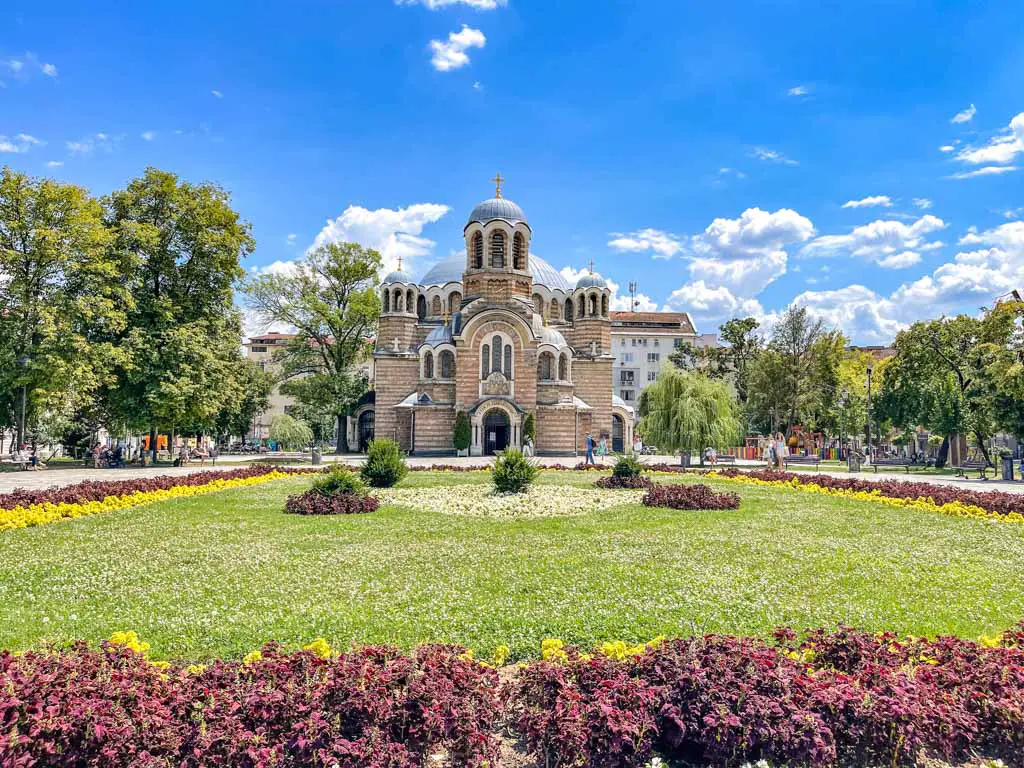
591, 280
398, 276
497, 208
438, 336
549, 335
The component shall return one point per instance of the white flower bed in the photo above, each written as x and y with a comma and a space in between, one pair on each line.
482, 501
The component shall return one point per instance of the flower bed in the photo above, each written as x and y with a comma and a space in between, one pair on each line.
314, 503
482, 501
697, 496
932, 497
846, 698
618, 482
24, 508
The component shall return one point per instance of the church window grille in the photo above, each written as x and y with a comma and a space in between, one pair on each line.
428, 366
435, 306
544, 372
568, 310
498, 250
563, 368
508, 360
387, 300
447, 365
518, 251
485, 361
496, 354
478, 251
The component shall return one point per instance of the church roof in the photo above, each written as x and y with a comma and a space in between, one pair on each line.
591, 281
497, 208
549, 335
450, 271
440, 335
398, 276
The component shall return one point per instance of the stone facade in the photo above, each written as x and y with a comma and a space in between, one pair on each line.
498, 334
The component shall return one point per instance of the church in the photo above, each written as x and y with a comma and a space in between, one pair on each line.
500, 334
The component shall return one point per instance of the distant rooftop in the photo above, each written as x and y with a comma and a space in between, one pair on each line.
653, 321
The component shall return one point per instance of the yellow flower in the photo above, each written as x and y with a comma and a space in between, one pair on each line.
552, 649
252, 657
319, 647
991, 642
161, 664
500, 655
131, 641
195, 669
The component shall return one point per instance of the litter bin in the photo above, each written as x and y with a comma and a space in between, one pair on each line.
854, 461
1008, 468
316, 456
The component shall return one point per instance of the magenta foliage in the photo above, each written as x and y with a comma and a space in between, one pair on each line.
628, 481
697, 496
316, 503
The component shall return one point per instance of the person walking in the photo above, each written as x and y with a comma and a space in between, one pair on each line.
590, 449
97, 452
780, 450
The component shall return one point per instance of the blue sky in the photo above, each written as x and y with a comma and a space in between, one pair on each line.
732, 158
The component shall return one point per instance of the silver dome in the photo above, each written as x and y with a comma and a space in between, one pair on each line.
549, 335
497, 208
440, 335
450, 271
591, 281
397, 277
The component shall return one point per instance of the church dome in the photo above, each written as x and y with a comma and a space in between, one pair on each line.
398, 276
591, 281
549, 335
450, 271
497, 208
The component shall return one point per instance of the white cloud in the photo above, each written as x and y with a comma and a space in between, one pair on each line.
28, 65
217, 93
394, 233
1000, 150
148, 135
55, 164
799, 90
452, 54
1013, 213
49, 70
15, 65
923, 203
964, 115
664, 245
21, 143
292, 237
869, 202
891, 244
946, 148
477, 86
480, 5
731, 172
710, 306
102, 142
772, 156
988, 170
859, 312
619, 301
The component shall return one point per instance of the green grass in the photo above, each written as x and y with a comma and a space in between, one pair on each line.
218, 575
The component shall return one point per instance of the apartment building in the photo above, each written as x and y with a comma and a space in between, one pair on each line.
642, 343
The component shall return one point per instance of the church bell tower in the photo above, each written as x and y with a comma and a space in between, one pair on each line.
497, 250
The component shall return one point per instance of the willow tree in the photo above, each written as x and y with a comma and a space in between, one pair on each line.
685, 412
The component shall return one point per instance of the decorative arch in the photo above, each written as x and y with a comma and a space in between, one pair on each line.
477, 251
568, 310
563, 367
421, 307
554, 310
454, 302
545, 366
519, 251
581, 309
435, 307
496, 411
604, 305
446, 364
410, 300
396, 302
386, 300
593, 305
428, 365
538, 303
497, 250
485, 361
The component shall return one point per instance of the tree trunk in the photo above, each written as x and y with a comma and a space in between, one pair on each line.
943, 454
982, 448
152, 443
342, 445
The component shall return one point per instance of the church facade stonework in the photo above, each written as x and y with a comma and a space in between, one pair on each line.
500, 334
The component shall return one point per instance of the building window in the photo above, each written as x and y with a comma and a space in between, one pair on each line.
653, 357
259, 349
508, 361
498, 250
677, 343
485, 361
428, 366
635, 341
652, 375
544, 366
623, 342
655, 342
627, 357
447, 365
478, 251
627, 395
563, 367
496, 353
626, 378
518, 252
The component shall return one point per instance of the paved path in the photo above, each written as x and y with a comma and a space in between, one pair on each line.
68, 476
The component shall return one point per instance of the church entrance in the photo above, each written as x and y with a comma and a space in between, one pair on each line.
496, 431
365, 429
617, 430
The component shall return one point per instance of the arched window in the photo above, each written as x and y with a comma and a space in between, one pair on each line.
604, 306
593, 305
582, 307
538, 304
508, 361
498, 250
485, 361
410, 300
421, 308
454, 302
435, 307
563, 368
544, 365
428, 365
396, 302
568, 310
478, 251
447, 365
518, 251
387, 300
554, 309
496, 353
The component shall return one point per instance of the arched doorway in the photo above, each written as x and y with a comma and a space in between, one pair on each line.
365, 429
496, 431
618, 431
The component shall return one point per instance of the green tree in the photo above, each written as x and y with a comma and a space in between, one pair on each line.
850, 407
185, 243
463, 431
330, 298
62, 300
290, 432
769, 391
742, 347
255, 385
684, 412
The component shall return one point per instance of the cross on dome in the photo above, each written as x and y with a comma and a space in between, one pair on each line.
497, 181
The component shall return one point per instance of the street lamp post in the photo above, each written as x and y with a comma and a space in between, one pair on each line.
844, 398
23, 363
870, 451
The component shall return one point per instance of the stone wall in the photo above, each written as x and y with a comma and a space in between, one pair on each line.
555, 427
396, 377
435, 428
592, 377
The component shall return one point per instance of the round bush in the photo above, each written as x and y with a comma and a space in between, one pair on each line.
626, 481
513, 472
628, 466
696, 496
339, 479
314, 503
385, 466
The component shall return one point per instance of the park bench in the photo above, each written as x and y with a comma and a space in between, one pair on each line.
20, 463
892, 462
971, 465
725, 460
803, 461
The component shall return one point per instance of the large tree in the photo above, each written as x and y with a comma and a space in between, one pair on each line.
186, 244
63, 301
330, 298
686, 412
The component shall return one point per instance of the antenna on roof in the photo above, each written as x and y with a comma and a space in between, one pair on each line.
632, 295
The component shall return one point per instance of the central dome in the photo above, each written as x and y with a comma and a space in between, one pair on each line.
450, 271
497, 208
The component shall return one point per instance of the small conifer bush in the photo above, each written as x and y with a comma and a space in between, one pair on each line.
385, 466
513, 472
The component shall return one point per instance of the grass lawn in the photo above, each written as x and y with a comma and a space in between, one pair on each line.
218, 575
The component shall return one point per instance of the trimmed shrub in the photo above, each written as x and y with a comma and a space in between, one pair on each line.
513, 472
314, 503
623, 482
385, 465
697, 496
530, 427
339, 479
628, 466
463, 435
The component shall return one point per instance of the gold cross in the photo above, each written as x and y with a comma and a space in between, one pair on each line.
591, 266
497, 180
446, 315
399, 262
